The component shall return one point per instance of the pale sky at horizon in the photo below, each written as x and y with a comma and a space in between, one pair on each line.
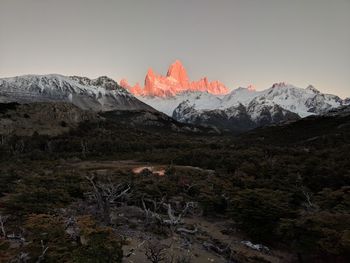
238, 42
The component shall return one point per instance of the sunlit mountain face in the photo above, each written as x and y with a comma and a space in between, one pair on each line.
200, 102
176, 81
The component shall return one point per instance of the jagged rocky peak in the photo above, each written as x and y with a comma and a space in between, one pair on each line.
102, 81
178, 72
237, 118
182, 110
313, 89
106, 82
81, 80
175, 82
150, 73
279, 85
251, 88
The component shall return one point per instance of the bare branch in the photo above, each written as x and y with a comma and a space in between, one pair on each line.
308, 199
106, 194
172, 219
44, 250
21, 258
150, 214
156, 205
2, 225
217, 249
188, 231
155, 252
132, 250
175, 220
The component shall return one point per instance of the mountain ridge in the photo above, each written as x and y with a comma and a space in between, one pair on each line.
205, 100
281, 99
175, 82
239, 110
98, 94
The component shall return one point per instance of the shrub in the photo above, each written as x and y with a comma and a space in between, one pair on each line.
258, 211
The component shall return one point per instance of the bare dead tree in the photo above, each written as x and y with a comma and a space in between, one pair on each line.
156, 204
112, 192
43, 252
18, 147
71, 227
2, 225
187, 231
225, 197
16, 237
189, 186
107, 194
132, 250
101, 202
217, 249
84, 148
3, 140
309, 205
171, 218
151, 215
22, 257
155, 252
308, 199
175, 220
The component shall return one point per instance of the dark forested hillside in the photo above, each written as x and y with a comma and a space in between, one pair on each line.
111, 185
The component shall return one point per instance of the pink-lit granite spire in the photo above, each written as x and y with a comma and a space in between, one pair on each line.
175, 82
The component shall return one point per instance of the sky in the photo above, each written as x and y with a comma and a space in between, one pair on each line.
239, 42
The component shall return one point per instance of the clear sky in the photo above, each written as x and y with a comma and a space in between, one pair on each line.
238, 42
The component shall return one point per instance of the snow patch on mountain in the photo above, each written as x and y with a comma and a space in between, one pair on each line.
246, 108
98, 94
303, 102
237, 118
201, 100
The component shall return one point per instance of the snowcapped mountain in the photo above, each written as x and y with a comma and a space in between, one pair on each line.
304, 102
202, 100
167, 93
239, 96
237, 118
211, 103
189, 102
99, 94
246, 108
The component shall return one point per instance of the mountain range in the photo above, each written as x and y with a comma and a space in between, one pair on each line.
175, 82
200, 102
101, 94
238, 110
